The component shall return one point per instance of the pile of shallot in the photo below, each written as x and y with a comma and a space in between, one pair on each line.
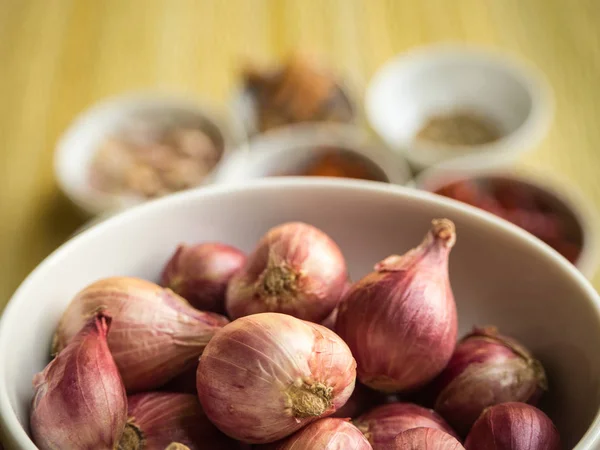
279, 350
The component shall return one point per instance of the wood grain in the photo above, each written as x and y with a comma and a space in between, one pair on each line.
59, 56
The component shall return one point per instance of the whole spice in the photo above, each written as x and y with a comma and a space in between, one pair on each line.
486, 369
423, 439
155, 333
159, 418
458, 129
513, 426
325, 434
296, 269
79, 400
400, 321
265, 376
383, 423
200, 273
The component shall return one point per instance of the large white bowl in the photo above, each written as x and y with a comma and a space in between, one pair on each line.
500, 275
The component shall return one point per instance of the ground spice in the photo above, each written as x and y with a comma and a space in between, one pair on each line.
459, 129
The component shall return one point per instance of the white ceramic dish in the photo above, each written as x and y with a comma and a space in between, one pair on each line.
558, 192
76, 148
289, 149
500, 275
446, 78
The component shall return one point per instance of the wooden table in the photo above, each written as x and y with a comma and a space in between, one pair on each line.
59, 56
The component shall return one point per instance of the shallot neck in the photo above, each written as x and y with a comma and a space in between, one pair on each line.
132, 439
308, 400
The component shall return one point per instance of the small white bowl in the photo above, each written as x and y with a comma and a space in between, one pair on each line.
556, 191
80, 142
500, 275
288, 150
442, 79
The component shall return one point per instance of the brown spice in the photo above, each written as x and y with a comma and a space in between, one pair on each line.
459, 129
342, 165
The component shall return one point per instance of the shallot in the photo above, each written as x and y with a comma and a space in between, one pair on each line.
486, 369
265, 376
296, 269
383, 423
325, 434
155, 333
200, 273
513, 426
400, 321
79, 400
362, 398
423, 439
160, 418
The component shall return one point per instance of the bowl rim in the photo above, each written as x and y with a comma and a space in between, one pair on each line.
545, 180
521, 140
97, 202
8, 419
347, 136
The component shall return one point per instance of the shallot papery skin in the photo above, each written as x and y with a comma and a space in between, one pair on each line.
362, 399
200, 273
155, 333
324, 434
177, 446
296, 269
423, 439
264, 376
160, 418
79, 400
383, 423
513, 426
486, 369
400, 320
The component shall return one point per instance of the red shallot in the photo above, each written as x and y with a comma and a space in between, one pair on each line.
265, 376
200, 273
513, 426
362, 398
296, 269
424, 439
486, 369
325, 434
155, 333
400, 321
79, 400
383, 423
160, 418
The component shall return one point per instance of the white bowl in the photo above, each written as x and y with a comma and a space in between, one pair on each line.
436, 79
289, 149
80, 142
556, 191
500, 275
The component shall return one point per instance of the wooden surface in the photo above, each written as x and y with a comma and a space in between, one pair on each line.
59, 56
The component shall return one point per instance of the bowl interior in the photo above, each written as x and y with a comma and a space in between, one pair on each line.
499, 276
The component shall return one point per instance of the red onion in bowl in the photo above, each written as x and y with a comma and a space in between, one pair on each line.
486, 369
383, 423
400, 321
513, 426
200, 273
265, 376
155, 333
296, 269
424, 439
324, 434
160, 418
79, 401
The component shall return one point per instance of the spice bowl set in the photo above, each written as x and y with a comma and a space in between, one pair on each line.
284, 304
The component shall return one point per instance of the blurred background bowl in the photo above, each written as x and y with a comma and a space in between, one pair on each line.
500, 275
443, 79
80, 143
293, 149
524, 190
